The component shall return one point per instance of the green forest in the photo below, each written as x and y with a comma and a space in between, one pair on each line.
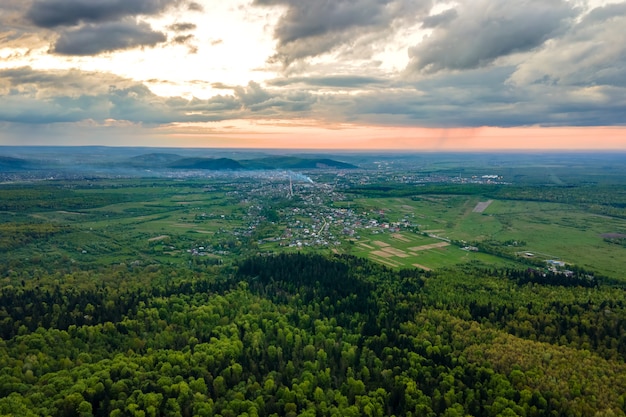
311, 335
109, 307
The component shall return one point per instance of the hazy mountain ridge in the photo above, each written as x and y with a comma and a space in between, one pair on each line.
8, 163
152, 159
214, 164
52, 161
156, 161
292, 162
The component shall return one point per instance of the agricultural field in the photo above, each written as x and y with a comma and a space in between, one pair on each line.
548, 231
407, 250
144, 221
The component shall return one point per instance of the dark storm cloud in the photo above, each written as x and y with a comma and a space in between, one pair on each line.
86, 27
306, 19
53, 13
488, 29
94, 39
311, 28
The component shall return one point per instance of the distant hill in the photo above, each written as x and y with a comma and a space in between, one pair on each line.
214, 164
153, 160
168, 160
292, 162
8, 163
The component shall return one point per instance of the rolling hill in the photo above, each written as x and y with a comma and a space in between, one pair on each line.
164, 160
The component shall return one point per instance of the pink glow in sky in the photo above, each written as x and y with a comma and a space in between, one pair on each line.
344, 136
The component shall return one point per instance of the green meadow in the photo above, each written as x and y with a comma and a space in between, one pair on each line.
416, 250
145, 222
547, 230
166, 221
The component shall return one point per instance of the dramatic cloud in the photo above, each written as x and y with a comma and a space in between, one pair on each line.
485, 30
591, 53
408, 63
309, 28
257, 99
12, 12
443, 18
53, 13
47, 84
473, 98
106, 37
90, 27
15, 31
37, 97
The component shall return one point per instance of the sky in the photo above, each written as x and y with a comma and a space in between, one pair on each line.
315, 74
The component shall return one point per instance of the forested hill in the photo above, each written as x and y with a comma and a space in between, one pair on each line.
309, 335
161, 161
13, 164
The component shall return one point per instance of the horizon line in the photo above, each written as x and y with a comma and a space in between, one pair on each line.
355, 150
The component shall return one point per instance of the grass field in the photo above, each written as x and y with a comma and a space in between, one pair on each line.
409, 249
167, 221
551, 230
124, 232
